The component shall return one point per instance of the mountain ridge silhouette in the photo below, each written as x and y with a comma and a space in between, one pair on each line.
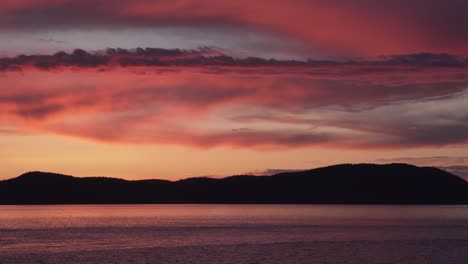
395, 183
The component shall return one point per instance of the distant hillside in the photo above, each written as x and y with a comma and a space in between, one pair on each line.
339, 184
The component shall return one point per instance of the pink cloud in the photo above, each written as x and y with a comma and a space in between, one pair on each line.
201, 101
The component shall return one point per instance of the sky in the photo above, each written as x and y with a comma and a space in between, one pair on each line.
178, 88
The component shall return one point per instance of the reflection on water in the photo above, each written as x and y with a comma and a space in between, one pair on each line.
62, 233
56, 216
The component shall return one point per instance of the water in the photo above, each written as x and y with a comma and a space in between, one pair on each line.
233, 234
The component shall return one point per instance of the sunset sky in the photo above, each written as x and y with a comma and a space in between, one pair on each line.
178, 88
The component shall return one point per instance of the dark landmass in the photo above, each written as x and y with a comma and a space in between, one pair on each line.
339, 184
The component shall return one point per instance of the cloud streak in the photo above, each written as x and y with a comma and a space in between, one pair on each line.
204, 98
207, 56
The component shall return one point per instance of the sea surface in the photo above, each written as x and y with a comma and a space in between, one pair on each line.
233, 234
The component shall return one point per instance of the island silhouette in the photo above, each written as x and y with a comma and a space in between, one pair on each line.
337, 184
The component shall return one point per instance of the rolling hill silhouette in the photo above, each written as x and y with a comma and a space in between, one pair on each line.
338, 184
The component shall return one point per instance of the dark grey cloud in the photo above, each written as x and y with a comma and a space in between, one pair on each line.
40, 111
206, 56
404, 124
258, 138
425, 59
269, 172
